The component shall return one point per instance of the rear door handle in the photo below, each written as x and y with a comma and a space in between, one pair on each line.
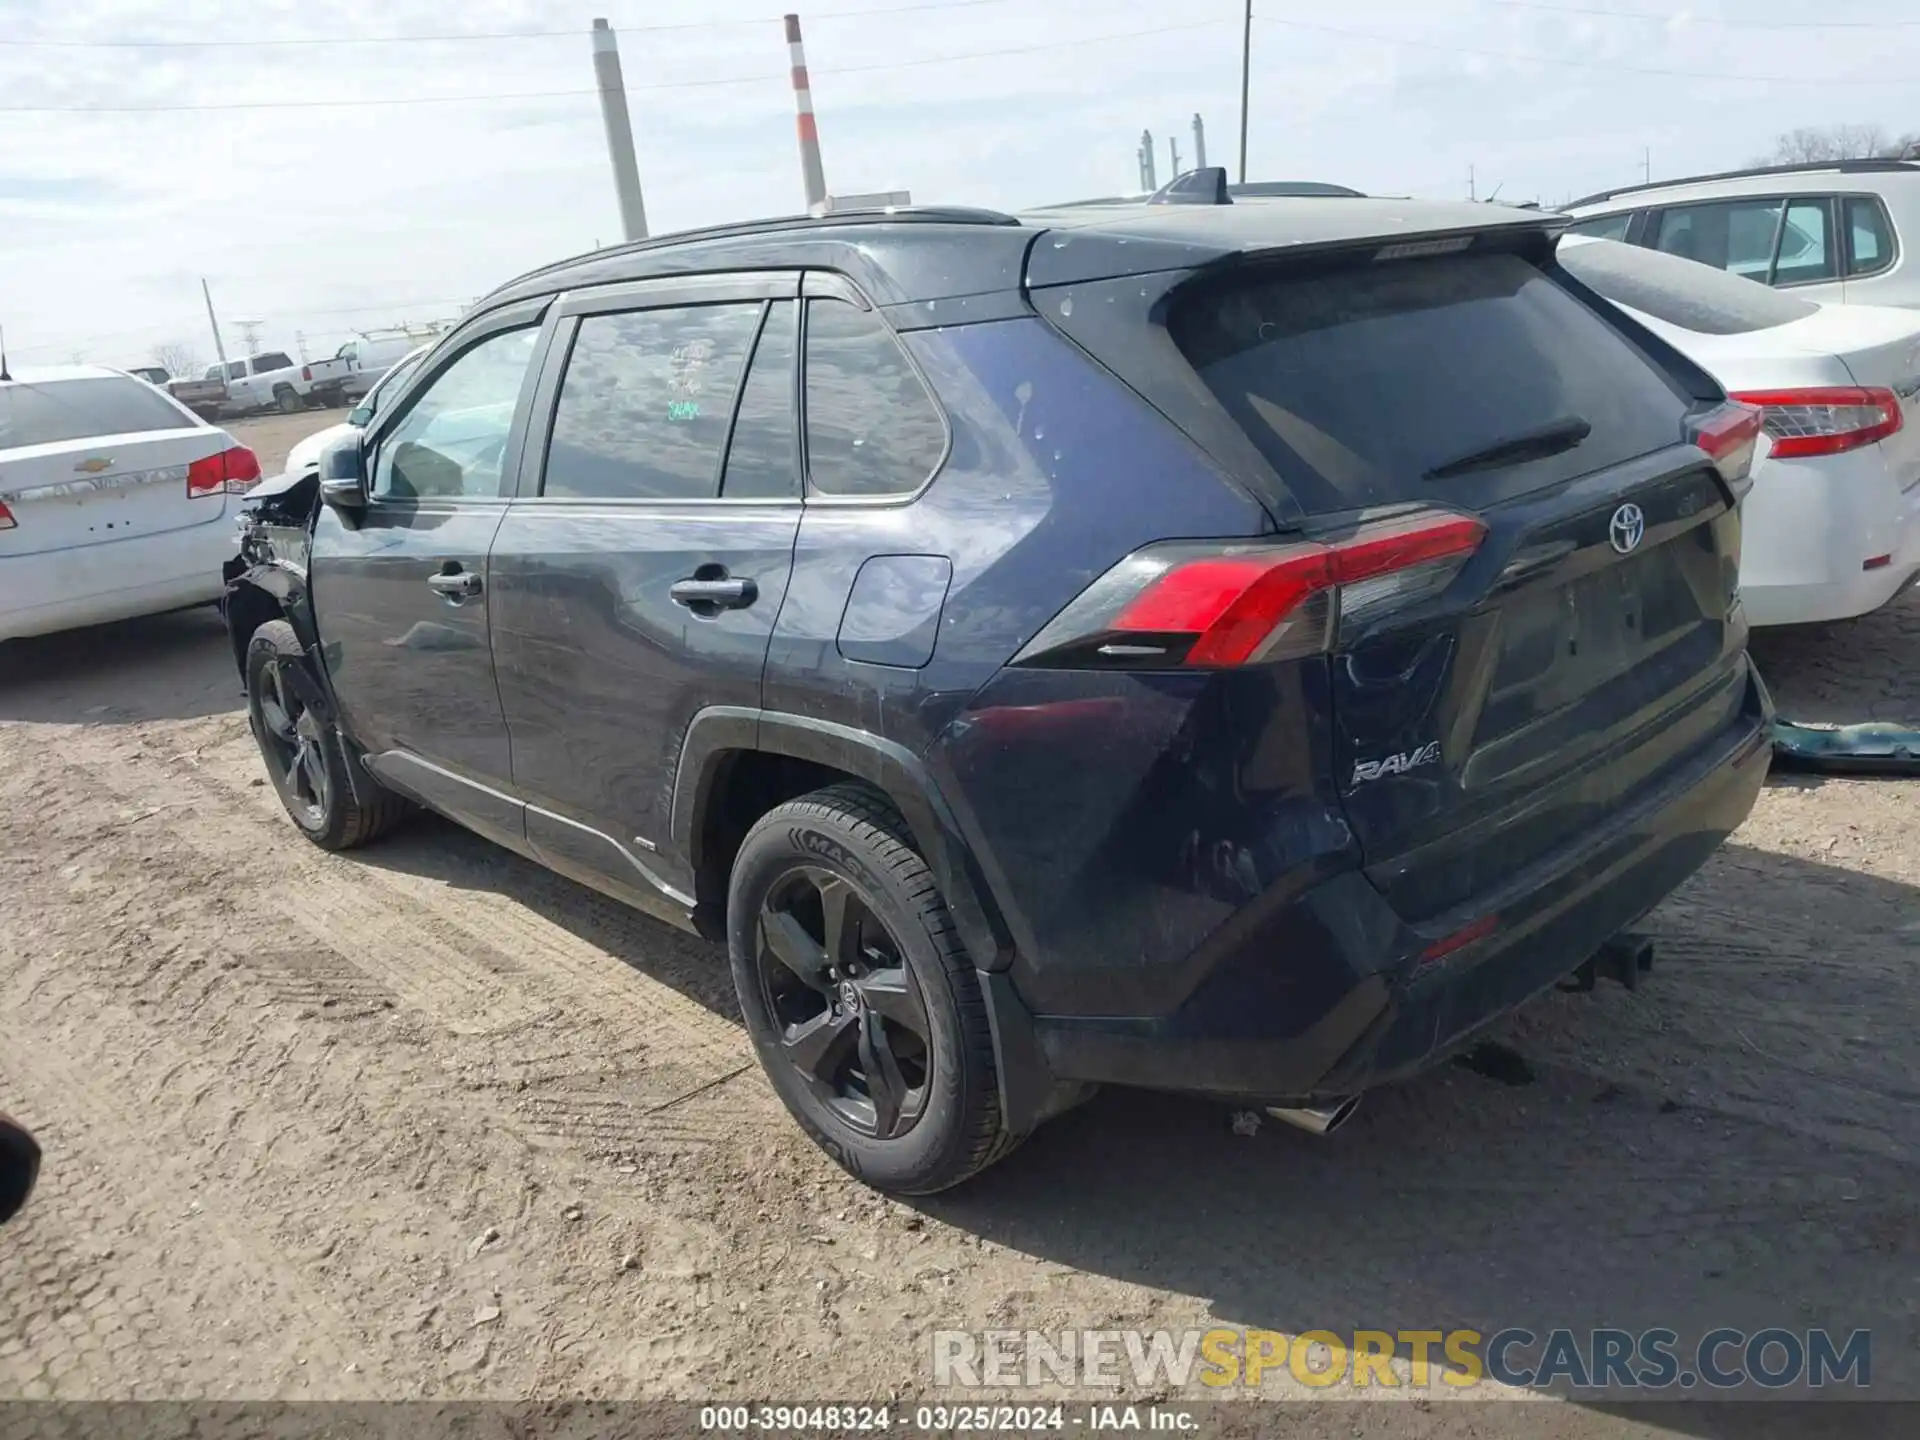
730, 594
455, 585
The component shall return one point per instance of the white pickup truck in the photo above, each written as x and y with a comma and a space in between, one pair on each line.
357, 366
259, 382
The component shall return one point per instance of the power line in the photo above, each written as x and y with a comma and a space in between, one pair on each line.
1693, 19
1076, 42
264, 43
1575, 64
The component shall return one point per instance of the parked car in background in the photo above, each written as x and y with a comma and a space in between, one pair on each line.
1832, 524
266, 381
370, 359
113, 500
206, 396
304, 458
1238, 648
1837, 230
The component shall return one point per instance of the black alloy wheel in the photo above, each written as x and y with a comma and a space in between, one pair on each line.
850, 1017
293, 742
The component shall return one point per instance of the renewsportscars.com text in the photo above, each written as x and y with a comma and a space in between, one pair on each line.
1656, 1359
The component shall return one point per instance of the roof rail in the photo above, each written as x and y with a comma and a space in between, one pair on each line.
1253, 190
1806, 167
778, 225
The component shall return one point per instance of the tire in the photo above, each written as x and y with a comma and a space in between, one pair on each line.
306, 761
848, 840
289, 401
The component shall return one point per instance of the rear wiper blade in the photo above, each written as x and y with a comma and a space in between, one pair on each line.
1548, 439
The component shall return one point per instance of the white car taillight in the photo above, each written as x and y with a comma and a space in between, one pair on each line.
1826, 419
232, 472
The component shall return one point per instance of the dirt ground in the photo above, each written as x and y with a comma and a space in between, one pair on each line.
427, 1121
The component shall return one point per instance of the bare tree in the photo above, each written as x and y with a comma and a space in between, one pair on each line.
179, 358
1811, 144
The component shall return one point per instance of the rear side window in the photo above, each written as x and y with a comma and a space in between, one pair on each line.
1732, 235
1869, 236
59, 410
872, 429
645, 403
1806, 244
272, 360
1360, 384
760, 458
1707, 302
1606, 227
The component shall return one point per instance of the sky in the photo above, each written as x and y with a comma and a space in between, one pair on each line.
313, 202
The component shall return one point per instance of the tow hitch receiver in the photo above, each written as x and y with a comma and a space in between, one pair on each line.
1626, 957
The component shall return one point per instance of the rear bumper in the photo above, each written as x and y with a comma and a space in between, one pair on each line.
114, 580
1369, 1009
1810, 526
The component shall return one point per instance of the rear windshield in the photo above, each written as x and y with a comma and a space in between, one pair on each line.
75, 409
1359, 384
1686, 293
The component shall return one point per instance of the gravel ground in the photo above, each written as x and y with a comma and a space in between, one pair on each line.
429, 1122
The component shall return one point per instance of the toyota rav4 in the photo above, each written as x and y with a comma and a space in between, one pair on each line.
1236, 648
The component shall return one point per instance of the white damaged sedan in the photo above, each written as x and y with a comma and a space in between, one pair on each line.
1832, 524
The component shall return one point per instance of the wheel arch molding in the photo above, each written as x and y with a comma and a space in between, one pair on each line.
722, 732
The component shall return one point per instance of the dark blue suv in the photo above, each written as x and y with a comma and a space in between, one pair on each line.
1237, 648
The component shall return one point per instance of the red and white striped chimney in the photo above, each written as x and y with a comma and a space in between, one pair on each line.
810, 168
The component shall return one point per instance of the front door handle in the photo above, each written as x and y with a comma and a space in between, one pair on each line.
710, 595
454, 584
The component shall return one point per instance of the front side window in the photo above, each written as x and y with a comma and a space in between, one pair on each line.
453, 439
1869, 236
645, 403
872, 429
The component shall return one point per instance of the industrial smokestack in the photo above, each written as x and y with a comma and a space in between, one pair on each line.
811, 170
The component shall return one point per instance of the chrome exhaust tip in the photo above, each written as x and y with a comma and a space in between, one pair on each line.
1317, 1119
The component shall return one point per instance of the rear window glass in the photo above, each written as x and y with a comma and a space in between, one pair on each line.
59, 410
1707, 302
272, 360
1359, 384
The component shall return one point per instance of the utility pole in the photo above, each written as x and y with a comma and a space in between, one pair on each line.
613, 110
1173, 158
1149, 181
300, 345
250, 335
812, 173
1646, 163
218, 348
1246, 86
1470, 194
1199, 143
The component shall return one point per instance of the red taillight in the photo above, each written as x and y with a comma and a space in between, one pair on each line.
1214, 605
233, 471
306, 372
6, 517
1827, 419
1728, 434
1460, 939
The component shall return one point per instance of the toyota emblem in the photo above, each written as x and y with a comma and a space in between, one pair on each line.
1627, 529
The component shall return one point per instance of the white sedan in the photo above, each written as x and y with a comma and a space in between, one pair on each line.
305, 456
113, 500
1832, 524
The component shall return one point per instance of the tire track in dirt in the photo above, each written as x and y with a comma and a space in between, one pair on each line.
475, 961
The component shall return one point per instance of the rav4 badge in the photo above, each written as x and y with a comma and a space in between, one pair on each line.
1365, 770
